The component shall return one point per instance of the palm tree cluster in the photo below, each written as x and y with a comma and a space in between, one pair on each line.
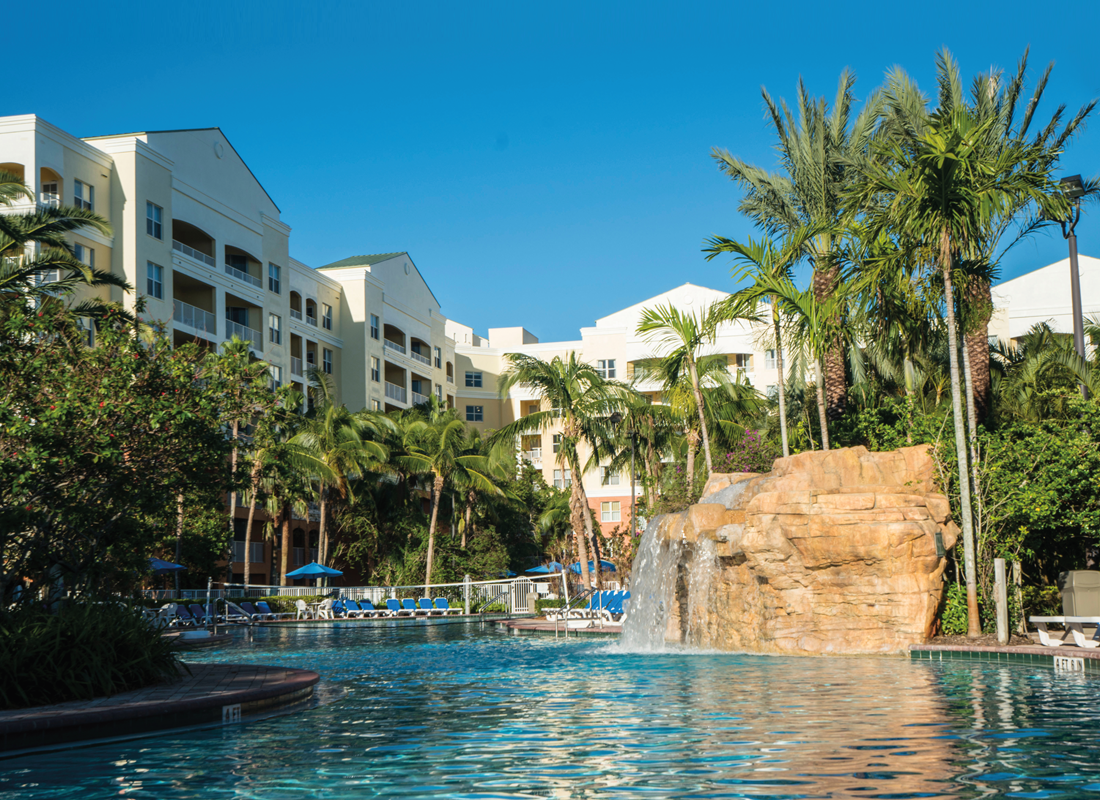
903, 211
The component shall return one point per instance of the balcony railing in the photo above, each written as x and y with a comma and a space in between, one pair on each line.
420, 358
419, 398
191, 252
49, 199
450, 379
192, 317
400, 348
257, 554
395, 392
534, 456
311, 320
243, 332
296, 315
243, 276
296, 366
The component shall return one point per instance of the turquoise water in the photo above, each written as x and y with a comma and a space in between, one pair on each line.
461, 711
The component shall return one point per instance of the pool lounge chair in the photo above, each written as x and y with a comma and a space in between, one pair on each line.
264, 608
255, 614
410, 605
427, 607
234, 613
367, 609
398, 610
352, 609
205, 616
446, 608
1074, 627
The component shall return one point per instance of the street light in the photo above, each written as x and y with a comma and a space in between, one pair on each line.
616, 419
1074, 189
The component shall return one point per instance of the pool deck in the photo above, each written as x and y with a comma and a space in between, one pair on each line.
541, 625
212, 694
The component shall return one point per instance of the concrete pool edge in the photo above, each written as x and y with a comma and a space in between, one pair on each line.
212, 694
1059, 659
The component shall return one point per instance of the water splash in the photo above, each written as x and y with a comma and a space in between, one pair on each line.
702, 572
652, 590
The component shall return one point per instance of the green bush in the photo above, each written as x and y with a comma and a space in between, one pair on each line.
954, 620
1042, 601
542, 605
81, 652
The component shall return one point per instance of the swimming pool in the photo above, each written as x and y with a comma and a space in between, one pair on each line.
460, 711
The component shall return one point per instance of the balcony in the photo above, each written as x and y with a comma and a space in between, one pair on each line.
450, 379
419, 398
191, 252
395, 392
296, 315
420, 358
243, 332
193, 317
534, 456
296, 366
243, 276
257, 552
49, 200
311, 320
400, 348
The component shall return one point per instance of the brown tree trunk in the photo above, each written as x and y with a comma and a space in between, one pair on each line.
179, 538
979, 298
251, 516
286, 544
437, 492
577, 517
836, 382
471, 496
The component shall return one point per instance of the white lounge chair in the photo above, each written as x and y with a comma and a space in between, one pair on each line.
1074, 627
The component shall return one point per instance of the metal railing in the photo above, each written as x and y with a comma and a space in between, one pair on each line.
450, 379
296, 366
311, 320
533, 455
400, 348
295, 314
191, 252
243, 276
197, 318
421, 358
243, 332
395, 392
419, 398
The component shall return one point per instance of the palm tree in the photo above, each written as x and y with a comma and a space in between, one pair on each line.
937, 184
764, 257
654, 429
440, 448
818, 149
334, 444
473, 489
579, 399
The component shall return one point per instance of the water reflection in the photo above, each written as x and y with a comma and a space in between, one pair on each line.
460, 712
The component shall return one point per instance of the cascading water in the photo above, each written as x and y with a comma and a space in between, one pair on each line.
701, 574
652, 589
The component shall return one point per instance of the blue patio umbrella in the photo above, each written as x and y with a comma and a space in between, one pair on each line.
539, 570
313, 570
605, 566
546, 569
162, 567
508, 574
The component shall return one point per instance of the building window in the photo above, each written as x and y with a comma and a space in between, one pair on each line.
276, 376
375, 369
83, 196
326, 360
475, 413
374, 326
87, 324
326, 316
473, 379
439, 392
557, 442
275, 326
769, 359
154, 280
608, 477
274, 274
84, 254
438, 358
562, 479
606, 368
609, 511
376, 405
154, 219
743, 361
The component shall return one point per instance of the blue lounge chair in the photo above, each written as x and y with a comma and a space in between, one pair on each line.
427, 607
351, 609
395, 609
446, 608
183, 616
367, 609
253, 613
338, 609
264, 608
408, 604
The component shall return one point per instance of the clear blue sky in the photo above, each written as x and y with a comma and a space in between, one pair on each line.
544, 164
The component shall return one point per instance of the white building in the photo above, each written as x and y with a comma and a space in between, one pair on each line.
1043, 295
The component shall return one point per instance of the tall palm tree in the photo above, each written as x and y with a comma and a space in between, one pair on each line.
937, 184
818, 148
472, 488
765, 256
581, 401
334, 444
654, 429
440, 448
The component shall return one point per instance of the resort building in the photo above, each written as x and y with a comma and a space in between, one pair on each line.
616, 350
1043, 295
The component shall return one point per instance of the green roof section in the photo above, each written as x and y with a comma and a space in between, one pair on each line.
362, 261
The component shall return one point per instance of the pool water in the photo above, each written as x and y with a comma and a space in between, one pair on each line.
464, 711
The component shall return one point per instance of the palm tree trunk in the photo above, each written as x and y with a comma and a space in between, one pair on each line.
286, 544
233, 472
251, 515
437, 487
179, 537
972, 436
782, 390
974, 627
578, 518
980, 302
822, 416
690, 476
836, 383
702, 417
471, 496
322, 532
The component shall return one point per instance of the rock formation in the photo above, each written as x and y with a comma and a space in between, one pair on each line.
829, 553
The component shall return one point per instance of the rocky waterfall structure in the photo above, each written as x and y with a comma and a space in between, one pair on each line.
829, 553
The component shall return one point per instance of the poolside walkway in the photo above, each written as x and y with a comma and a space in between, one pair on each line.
211, 694
541, 625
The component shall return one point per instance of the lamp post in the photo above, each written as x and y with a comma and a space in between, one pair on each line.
1075, 190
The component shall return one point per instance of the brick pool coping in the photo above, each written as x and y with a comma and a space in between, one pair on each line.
1067, 658
212, 693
